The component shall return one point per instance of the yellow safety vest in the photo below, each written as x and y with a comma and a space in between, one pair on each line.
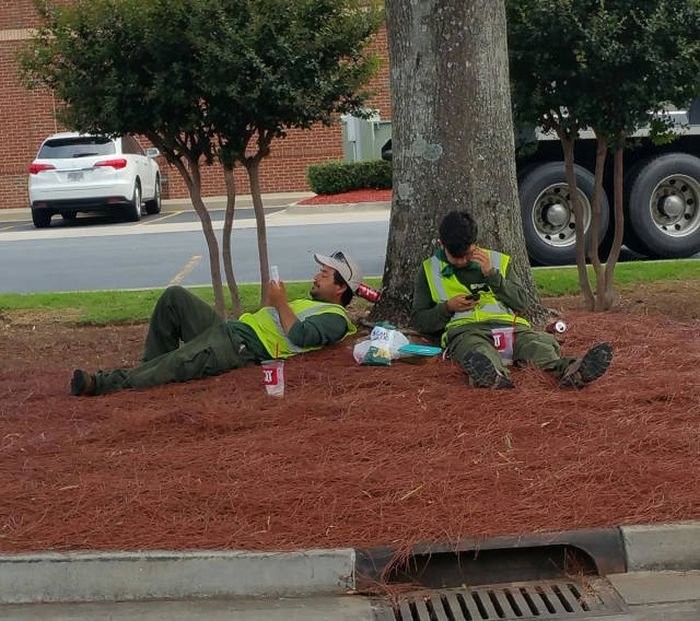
267, 325
488, 308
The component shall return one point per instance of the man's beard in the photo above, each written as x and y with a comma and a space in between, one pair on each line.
314, 294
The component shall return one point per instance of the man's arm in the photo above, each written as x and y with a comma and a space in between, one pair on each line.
314, 331
318, 330
507, 290
277, 295
427, 316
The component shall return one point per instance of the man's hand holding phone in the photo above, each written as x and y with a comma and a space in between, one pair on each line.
462, 303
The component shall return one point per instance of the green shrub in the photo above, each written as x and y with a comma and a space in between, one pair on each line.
336, 177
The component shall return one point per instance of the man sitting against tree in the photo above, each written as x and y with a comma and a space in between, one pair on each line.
466, 293
211, 345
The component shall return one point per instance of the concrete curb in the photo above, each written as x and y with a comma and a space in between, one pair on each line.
119, 576
302, 210
662, 546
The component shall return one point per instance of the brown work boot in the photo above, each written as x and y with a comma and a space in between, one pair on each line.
584, 370
82, 384
482, 373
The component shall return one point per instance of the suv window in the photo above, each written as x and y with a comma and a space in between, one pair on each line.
79, 146
131, 145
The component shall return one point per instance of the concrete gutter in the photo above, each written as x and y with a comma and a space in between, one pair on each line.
119, 576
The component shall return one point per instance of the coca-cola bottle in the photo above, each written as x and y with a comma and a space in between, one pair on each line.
368, 293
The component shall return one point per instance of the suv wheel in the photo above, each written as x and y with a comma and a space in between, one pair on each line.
153, 206
41, 218
133, 209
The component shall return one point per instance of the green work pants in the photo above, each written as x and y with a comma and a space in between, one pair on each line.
186, 340
529, 347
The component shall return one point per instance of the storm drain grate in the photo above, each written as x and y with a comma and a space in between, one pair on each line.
551, 599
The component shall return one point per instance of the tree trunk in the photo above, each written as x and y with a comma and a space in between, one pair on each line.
567, 144
452, 139
194, 187
226, 255
600, 157
614, 255
253, 168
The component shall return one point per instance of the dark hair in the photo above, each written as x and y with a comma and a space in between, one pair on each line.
458, 231
347, 294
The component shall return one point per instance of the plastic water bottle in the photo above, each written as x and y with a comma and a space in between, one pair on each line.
368, 293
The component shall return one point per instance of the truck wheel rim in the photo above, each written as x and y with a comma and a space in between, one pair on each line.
674, 206
553, 215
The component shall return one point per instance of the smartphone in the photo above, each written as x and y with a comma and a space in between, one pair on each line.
474, 296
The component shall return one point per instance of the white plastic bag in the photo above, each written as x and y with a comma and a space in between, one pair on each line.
382, 347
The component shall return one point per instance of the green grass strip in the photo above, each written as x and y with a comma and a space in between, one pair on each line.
113, 307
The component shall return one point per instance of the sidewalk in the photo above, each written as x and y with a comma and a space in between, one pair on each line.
288, 200
184, 204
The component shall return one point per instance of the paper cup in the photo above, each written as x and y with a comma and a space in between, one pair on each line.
503, 339
273, 377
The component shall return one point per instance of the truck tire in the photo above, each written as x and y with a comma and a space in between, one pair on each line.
664, 205
548, 217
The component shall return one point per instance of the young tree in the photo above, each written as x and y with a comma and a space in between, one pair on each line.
613, 68
128, 67
452, 138
207, 79
271, 65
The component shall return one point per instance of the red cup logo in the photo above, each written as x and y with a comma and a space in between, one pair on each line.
270, 377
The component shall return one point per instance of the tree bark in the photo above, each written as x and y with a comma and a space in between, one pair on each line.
567, 144
226, 253
253, 167
614, 255
193, 181
600, 157
453, 146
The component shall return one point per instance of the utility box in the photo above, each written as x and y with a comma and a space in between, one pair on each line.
363, 138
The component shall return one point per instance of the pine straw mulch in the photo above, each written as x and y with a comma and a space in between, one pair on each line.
352, 456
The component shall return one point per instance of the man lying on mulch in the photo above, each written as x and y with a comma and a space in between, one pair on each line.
213, 346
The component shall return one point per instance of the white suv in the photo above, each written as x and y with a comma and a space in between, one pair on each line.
78, 172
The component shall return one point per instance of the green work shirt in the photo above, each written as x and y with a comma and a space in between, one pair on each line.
430, 318
314, 331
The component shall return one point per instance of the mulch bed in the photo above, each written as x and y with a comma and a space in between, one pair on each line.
354, 196
352, 456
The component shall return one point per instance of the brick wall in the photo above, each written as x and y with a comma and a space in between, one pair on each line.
27, 117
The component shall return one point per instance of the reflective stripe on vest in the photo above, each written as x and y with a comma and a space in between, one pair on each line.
267, 325
488, 308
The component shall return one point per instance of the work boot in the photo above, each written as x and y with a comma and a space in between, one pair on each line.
482, 373
584, 370
82, 383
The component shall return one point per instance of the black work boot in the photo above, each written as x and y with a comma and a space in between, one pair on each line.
593, 365
482, 373
82, 383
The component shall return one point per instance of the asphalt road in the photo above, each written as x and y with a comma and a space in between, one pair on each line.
96, 253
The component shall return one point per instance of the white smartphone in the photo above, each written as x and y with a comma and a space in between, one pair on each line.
274, 274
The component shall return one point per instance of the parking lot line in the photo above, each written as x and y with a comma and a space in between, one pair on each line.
189, 266
165, 217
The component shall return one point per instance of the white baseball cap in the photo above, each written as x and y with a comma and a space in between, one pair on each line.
344, 264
